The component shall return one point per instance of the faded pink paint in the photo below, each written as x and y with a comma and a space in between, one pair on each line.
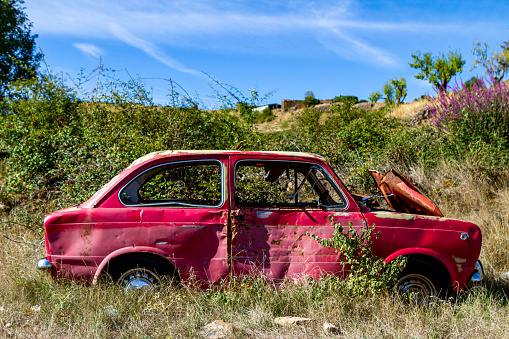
211, 243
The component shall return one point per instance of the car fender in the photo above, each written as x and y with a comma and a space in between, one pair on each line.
127, 250
423, 251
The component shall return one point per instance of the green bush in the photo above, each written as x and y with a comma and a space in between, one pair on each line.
350, 99
265, 116
367, 273
52, 141
310, 100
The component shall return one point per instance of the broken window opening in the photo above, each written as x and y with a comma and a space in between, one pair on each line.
284, 184
192, 183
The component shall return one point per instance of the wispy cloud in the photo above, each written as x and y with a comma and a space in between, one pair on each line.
225, 25
151, 49
89, 49
354, 48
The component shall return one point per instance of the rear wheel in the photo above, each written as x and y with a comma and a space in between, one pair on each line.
420, 283
140, 273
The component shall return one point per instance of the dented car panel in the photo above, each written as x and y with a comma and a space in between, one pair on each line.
273, 240
208, 215
441, 238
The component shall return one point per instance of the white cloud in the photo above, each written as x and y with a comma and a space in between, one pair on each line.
151, 49
89, 49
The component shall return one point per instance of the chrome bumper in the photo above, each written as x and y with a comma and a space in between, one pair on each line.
43, 264
478, 272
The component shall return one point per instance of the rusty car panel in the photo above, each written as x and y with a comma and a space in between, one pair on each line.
276, 242
428, 235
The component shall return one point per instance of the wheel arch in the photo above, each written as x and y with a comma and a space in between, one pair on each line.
443, 266
129, 252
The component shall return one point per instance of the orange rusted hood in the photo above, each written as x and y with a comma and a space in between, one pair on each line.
402, 195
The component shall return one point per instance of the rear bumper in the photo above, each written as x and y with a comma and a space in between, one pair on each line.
44, 265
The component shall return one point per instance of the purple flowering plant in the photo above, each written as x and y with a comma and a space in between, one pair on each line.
474, 114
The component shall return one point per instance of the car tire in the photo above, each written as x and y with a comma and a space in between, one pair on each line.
140, 273
420, 283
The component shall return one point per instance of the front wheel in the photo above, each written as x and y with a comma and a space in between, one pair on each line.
420, 283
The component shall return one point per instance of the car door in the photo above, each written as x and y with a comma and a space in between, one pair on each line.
275, 204
184, 213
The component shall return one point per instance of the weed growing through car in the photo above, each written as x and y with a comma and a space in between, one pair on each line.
367, 273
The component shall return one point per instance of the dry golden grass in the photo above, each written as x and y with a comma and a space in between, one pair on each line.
475, 196
285, 120
34, 306
282, 122
407, 111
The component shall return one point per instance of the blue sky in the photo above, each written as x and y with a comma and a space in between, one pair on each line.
328, 47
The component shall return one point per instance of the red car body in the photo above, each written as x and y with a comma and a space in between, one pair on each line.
209, 214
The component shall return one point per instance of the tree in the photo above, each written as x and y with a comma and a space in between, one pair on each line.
18, 56
389, 93
497, 65
395, 91
374, 97
310, 100
473, 82
347, 99
400, 90
438, 71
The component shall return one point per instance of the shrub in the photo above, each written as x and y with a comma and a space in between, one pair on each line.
350, 99
265, 116
310, 100
367, 272
476, 115
53, 142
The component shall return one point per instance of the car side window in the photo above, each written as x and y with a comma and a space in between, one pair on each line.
284, 184
193, 183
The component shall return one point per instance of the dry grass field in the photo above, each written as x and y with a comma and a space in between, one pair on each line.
407, 111
34, 306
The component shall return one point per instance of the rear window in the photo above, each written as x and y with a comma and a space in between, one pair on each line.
192, 183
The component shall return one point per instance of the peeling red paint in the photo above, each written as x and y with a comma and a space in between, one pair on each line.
214, 240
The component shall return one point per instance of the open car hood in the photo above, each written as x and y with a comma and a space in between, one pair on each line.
402, 195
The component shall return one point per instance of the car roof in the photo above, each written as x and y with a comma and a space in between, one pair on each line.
172, 153
102, 193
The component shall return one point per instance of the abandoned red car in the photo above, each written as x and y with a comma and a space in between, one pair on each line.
210, 214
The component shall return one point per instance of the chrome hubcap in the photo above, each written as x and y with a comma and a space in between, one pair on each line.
139, 279
417, 289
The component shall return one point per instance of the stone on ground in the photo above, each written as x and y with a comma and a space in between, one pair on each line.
329, 328
217, 329
292, 321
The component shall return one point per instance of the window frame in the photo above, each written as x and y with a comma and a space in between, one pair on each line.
177, 204
310, 163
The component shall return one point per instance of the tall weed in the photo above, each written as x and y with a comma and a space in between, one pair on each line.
476, 117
